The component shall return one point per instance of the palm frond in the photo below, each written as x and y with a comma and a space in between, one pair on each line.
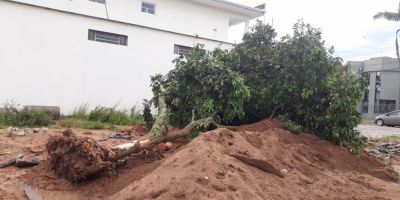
388, 16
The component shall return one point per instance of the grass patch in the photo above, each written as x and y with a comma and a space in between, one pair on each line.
80, 112
55, 126
100, 118
24, 117
391, 138
114, 116
95, 125
83, 124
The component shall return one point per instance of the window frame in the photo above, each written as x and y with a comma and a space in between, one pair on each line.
98, 1
122, 39
177, 50
147, 9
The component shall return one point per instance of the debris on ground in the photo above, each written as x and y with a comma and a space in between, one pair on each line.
30, 193
19, 161
11, 131
11, 161
121, 136
386, 151
35, 151
23, 162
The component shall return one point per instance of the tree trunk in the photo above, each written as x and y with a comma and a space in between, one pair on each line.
160, 125
127, 149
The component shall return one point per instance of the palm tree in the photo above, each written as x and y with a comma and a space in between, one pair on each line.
390, 16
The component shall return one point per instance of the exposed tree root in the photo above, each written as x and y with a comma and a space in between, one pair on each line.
77, 159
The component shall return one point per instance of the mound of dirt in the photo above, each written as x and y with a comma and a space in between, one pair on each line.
257, 161
264, 163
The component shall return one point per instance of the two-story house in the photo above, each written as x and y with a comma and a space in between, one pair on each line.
69, 52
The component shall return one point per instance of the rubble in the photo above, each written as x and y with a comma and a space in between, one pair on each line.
19, 161
386, 151
22, 162
13, 131
122, 136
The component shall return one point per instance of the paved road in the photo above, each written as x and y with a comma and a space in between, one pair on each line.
374, 131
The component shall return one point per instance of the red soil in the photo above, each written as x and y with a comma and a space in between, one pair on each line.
206, 169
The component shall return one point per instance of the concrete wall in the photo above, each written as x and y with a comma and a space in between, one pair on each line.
46, 58
390, 82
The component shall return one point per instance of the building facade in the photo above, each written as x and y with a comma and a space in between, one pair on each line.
69, 52
383, 92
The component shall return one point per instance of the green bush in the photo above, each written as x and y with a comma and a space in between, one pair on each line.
301, 79
15, 116
296, 76
290, 125
202, 84
147, 116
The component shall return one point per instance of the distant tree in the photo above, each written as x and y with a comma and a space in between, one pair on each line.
391, 16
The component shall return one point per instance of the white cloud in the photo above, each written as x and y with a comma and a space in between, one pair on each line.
347, 25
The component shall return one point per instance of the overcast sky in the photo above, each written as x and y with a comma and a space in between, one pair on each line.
346, 24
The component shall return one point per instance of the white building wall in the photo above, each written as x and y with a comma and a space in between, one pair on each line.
47, 59
181, 16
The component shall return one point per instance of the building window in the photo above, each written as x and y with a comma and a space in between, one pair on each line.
111, 38
179, 49
99, 1
386, 106
148, 7
366, 93
378, 88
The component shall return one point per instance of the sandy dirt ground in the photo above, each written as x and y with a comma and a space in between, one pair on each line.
279, 165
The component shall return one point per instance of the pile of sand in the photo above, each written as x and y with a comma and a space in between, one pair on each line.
281, 166
314, 169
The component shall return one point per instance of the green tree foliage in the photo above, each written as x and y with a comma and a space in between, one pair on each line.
202, 84
147, 116
298, 78
295, 77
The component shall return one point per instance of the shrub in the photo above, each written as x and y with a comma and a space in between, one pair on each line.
301, 79
147, 116
297, 77
15, 116
202, 84
289, 124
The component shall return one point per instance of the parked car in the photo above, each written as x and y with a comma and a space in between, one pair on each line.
388, 119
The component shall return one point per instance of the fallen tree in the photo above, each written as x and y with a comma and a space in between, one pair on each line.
297, 78
80, 158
